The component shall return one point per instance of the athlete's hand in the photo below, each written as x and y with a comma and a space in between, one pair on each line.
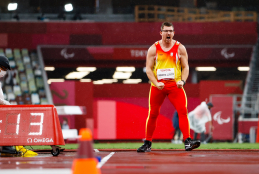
179, 84
160, 85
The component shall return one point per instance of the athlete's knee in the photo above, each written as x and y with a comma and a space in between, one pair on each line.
154, 111
182, 112
153, 115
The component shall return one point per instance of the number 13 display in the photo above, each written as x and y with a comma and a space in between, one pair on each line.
30, 125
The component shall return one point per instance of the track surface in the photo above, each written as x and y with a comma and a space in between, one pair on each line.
129, 162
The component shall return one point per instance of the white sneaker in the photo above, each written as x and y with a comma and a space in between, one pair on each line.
179, 141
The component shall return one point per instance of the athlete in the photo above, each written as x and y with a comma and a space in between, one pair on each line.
167, 68
4, 66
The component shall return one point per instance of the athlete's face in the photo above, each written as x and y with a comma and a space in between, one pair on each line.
167, 34
2, 71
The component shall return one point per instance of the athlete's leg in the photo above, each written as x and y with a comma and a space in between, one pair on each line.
178, 98
179, 134
202, 136
156, 98
195, 136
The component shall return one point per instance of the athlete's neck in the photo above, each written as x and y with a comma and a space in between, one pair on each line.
165, 46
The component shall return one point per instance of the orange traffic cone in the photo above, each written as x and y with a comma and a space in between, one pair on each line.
85, 161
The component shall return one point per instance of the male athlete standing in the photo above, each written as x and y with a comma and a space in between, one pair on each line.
167, 68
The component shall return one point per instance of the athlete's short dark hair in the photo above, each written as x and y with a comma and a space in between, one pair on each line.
168, 24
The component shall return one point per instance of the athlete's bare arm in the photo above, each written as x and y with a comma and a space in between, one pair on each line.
184, 63
151, 55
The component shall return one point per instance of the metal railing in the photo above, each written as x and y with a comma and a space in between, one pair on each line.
154, 13
250, 100
247, 106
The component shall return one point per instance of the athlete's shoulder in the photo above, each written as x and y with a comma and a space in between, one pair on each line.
177, 43
152, 49
157, 42
182, 48
153, 46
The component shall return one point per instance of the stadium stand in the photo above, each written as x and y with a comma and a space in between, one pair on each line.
24, 82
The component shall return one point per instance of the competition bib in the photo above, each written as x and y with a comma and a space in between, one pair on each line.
165, 74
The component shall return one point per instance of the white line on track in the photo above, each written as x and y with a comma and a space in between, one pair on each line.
51, 171
38, 171
105, 159
96, 150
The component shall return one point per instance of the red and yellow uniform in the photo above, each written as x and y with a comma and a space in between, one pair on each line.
167, 69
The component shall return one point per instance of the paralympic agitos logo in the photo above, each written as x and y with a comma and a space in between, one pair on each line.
217, 117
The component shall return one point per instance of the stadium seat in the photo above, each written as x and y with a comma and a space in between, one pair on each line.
2, 52
35, 99
17, 90
10, 96
8, 53
19, 100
